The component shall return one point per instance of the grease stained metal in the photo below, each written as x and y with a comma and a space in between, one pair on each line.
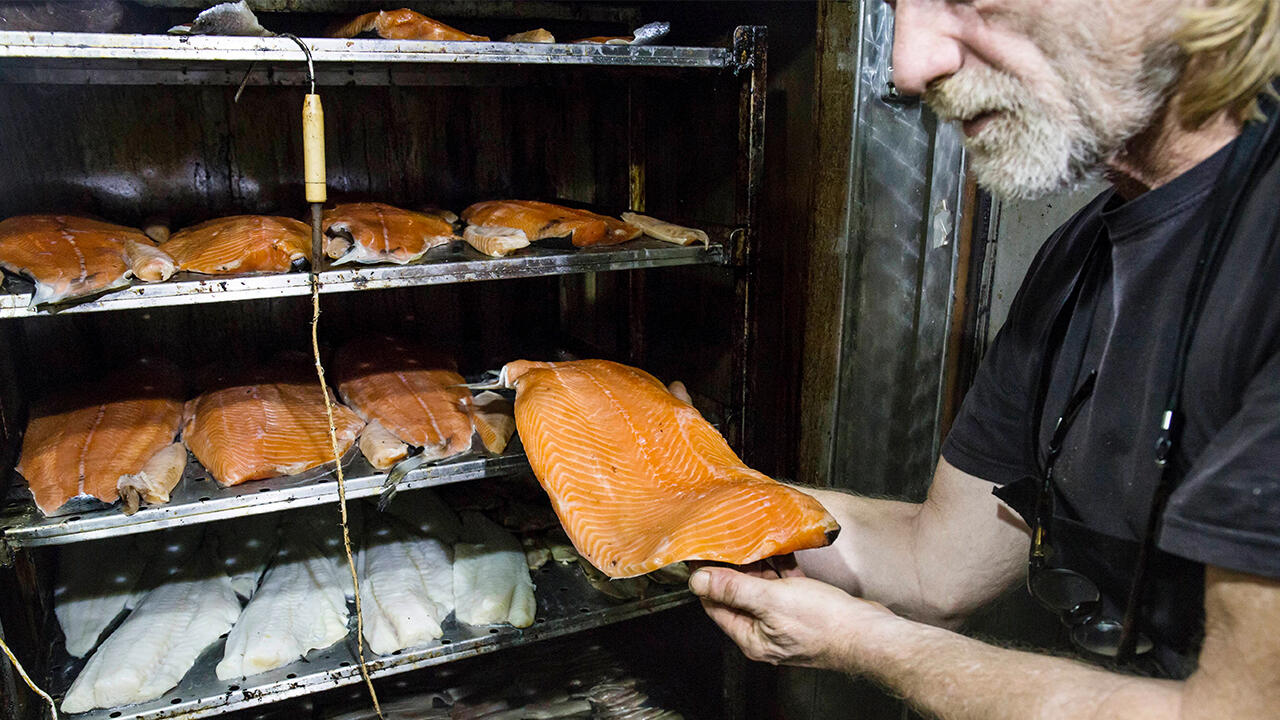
452, 265
566, 604
199, 499
105, 46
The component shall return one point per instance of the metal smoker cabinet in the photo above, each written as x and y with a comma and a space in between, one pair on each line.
130, 126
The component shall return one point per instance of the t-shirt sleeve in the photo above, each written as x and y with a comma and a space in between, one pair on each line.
990, 437
1226, 511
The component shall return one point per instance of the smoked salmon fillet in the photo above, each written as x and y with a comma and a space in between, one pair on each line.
404, 390
271, 422
539, 221
376, 232
83, 441
403, 24
71, 257
640, 480
241, 244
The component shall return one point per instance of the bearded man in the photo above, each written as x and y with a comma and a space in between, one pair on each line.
1128, 413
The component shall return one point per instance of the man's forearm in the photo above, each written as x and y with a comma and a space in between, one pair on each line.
873, 556
952, 677
936, 561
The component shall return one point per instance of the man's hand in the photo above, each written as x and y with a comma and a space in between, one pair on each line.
791, 620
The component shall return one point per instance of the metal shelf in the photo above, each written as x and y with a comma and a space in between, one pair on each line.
199, 499
455, 265
198, 49
566, 604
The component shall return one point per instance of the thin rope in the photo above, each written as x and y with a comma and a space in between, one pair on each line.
342, 488
53, 709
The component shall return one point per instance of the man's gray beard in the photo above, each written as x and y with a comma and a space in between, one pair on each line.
1034, 147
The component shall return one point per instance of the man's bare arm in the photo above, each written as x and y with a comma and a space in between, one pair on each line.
799, 621
954, 677
936, 561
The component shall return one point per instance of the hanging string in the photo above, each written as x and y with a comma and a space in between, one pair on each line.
53, 709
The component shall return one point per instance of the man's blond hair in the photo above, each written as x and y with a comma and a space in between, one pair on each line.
1233, 52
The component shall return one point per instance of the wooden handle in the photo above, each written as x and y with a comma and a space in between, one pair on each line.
313, 148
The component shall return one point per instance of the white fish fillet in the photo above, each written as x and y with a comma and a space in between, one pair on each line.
491, 582
157, 644
668, 232
406, 587
243, 548
89, 595
300, 606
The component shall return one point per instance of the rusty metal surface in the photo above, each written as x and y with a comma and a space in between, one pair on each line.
750, 45
566, 604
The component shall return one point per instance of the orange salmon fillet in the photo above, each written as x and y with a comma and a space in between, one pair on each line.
70, 257
409, 391
539, 221
376, 232
403, 24
240, 244
640, 480
82, 440
271, 424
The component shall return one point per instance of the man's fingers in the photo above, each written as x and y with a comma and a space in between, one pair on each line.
732, 588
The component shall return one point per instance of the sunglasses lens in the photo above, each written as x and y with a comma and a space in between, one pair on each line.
1063, 591
1103, 638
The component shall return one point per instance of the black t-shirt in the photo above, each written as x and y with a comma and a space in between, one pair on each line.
1226, 508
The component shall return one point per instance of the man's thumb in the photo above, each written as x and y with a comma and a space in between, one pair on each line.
728, 587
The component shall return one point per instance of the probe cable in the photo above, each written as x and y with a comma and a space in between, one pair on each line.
314, 167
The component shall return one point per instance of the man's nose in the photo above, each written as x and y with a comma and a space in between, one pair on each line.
924, 45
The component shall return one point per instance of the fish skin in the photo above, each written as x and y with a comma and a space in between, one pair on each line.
383, 233
300, 606
155, 481
409, 392
494, 420
540, 221
406, 586
240, 244
269, 424
158, 643
87, 596
70, 257
495, 241
403, 24
491, 582
73, 449
640, 480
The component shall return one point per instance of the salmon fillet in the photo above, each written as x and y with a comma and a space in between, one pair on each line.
640, 480
81, 441
70, 257
408, 391
403, 24
376, 232
539, 221
270, 423
241, 244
